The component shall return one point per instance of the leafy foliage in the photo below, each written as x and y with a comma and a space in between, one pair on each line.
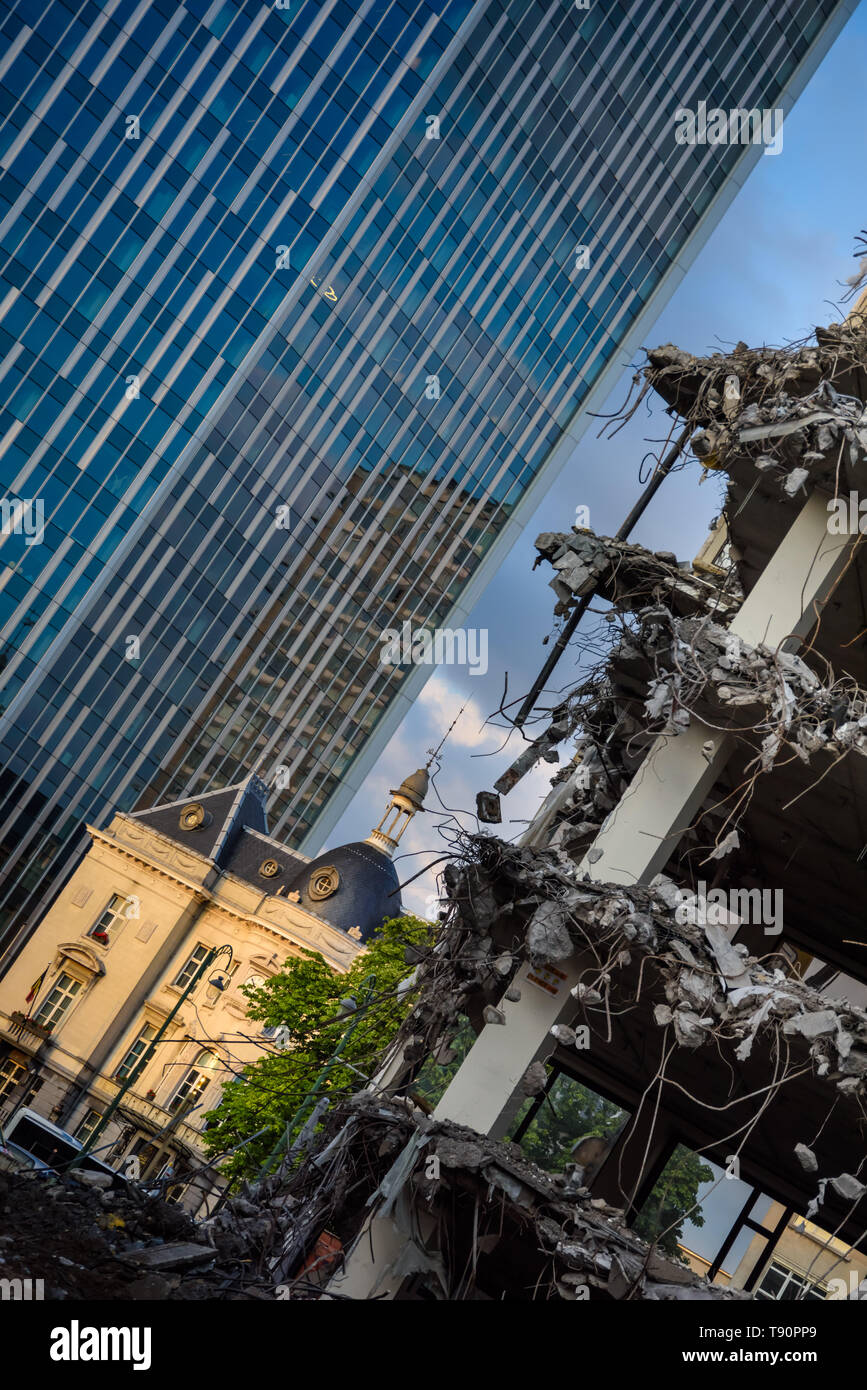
570, 1112
304, 997
663, 1214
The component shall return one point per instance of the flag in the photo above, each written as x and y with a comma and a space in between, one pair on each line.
36, 987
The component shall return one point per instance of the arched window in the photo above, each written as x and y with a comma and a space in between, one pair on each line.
194, 1081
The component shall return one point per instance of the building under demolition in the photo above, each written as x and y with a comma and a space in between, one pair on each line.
681, 928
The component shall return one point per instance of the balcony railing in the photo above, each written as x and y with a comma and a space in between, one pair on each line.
156, 1118
25, 1031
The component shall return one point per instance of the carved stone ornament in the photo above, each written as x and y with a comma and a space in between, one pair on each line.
323, 883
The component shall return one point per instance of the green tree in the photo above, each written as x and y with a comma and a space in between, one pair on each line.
304, 997
569, 1112
674, 1194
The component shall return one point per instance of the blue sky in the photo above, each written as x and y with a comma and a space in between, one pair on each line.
769, 273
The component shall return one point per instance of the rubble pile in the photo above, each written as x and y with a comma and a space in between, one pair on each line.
89, 1239
627, 575
464, 1205
796, 414
820, 439
514, 903
601, 770
695, 388
773, 696
631, 578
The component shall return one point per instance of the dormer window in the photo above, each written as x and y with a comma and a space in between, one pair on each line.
113, 915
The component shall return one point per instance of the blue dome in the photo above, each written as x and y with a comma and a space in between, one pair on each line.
367, 890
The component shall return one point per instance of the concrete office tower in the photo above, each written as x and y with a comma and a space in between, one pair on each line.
299, 304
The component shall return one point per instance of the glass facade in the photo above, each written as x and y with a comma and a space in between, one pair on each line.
292, 312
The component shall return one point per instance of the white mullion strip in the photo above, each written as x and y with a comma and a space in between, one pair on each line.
374, 113
242, 270
15, 47
84, 237
35, 182
69, 68
378, 164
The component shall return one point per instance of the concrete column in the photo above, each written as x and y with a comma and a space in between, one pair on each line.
629, 1171
484, 1091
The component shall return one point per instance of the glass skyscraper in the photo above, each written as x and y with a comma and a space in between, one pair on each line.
295, 320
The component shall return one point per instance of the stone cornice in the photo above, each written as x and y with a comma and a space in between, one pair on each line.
333, 944
103, 838
307, 933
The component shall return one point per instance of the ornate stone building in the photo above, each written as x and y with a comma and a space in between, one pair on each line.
156, 892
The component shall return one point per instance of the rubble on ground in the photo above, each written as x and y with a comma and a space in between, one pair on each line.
88, 1242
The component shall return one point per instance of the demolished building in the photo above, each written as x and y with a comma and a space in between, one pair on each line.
681, 927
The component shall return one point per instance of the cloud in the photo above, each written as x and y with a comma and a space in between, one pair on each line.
443, 702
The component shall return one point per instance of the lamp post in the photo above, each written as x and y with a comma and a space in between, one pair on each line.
368, 985
142, 1062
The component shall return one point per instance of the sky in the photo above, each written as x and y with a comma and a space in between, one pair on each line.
770, 272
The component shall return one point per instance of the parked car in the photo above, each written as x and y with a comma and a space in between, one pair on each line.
15, 1159
49, 1147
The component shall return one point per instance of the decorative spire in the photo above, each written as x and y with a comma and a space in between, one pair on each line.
405, 801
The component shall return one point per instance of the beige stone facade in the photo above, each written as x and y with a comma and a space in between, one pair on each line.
807, 1262
157, 898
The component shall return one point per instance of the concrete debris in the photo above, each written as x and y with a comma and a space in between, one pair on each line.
548, 936
178, 1256
848, 1187
695, 387
488, 808
636, 581
772, 697
492, 1015
815, 1025
726, 845
91, 1244
806, 1158
845, 1185
535, 1079
626, 575
543, 747
546, 911
797, 414
483, 1201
